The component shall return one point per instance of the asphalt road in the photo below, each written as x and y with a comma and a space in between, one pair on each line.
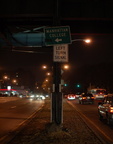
14, 112
89, 112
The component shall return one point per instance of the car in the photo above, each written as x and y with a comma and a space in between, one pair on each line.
105, 109
86, 98
78, 94
71, 97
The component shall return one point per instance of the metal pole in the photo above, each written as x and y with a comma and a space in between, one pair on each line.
56, 95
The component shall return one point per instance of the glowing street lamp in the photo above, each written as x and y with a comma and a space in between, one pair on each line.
14, 81
5, 77
66, 67
44, 67
85, 40
46, 80
48, 73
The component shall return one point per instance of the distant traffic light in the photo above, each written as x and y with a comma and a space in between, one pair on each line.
65, 84
78, 86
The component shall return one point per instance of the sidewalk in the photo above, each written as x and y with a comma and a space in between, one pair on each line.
75, 131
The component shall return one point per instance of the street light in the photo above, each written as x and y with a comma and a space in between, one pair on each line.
48, 74
85, 40
66, 66
47, 83
14, 81
57, 93
5, 77
46, 80
44, 67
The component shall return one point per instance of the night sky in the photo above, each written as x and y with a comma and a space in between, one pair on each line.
89, 19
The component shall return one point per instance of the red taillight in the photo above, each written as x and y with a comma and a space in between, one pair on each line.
92, 97
111, 110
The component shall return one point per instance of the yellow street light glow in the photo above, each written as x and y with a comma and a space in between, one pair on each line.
44, 66
87, 40
14, 81
66, 66
48, 73
5, 77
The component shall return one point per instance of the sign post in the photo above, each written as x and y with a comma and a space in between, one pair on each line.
57, 36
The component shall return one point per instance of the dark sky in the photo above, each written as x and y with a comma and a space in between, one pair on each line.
68, 8
100, 50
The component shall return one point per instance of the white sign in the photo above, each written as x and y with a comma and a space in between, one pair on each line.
60, 53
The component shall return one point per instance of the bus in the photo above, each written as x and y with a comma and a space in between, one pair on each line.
98, 93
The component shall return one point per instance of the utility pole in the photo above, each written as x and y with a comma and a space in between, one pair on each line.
57, 94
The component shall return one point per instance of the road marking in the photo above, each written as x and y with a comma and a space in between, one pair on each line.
10, 136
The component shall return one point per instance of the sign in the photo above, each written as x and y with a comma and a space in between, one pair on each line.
57, 35
60, 53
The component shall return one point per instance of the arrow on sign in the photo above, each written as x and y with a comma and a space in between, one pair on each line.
58, 40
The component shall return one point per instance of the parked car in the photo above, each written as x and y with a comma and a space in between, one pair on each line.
105, 109
86, 98
71, 97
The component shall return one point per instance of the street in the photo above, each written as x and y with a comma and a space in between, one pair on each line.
14, 112
89, 113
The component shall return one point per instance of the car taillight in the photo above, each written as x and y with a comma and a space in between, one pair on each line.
92, 97
111, 110
84, 98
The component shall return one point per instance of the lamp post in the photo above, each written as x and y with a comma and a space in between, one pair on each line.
56, 114
57, 93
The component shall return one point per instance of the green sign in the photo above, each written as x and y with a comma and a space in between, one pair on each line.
57, 35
